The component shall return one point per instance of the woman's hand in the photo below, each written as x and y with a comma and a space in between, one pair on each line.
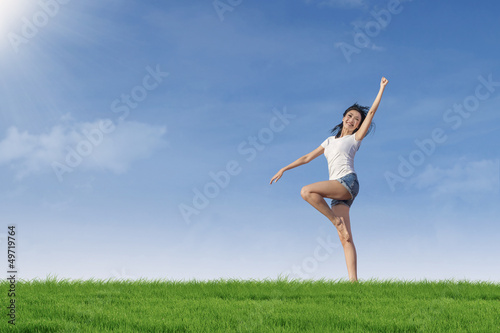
383, 82
277, 176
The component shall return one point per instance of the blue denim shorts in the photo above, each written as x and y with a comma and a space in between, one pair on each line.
350, 182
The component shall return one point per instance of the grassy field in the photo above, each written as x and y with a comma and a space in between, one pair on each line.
252, 306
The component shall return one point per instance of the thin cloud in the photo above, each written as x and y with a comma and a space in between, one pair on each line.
377, 48
464, 180
28, 154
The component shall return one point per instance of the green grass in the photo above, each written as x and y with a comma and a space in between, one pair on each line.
252, 306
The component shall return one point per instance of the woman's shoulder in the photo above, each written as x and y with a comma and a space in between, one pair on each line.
351, 138
328, 140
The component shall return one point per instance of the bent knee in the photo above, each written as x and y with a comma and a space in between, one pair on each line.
305, 192
347, 242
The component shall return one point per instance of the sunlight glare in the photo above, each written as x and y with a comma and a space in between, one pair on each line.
11, 11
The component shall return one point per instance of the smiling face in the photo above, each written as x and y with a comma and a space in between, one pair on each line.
351, 120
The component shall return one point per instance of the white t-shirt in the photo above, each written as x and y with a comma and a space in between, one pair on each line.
339, 154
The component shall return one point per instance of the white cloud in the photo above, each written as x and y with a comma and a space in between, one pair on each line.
28, 153
83, 145
464, 180
377, 48
130, 141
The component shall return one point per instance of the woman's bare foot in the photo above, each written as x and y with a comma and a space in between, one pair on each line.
342, 228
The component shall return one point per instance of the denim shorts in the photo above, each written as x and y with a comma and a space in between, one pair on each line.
350, 182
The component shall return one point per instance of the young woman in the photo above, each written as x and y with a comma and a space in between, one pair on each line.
342, 186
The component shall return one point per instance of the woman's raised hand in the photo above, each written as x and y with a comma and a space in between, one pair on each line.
383, 82
276, 176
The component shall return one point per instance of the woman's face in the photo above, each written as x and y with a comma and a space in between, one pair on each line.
351, 120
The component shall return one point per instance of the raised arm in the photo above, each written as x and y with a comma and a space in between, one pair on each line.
300, 161
363, 129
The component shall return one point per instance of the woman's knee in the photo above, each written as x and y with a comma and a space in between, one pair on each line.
305, 192
349, 242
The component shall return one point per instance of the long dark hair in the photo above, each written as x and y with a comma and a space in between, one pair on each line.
363, 110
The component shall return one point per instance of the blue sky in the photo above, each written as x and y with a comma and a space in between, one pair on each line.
116, 115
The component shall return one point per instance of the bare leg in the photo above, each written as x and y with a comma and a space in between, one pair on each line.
315, 194
349, 248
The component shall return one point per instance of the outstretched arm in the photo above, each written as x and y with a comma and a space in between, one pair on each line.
300, 161
363, 129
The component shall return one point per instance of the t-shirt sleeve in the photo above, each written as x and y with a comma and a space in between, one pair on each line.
325, 143
356, 143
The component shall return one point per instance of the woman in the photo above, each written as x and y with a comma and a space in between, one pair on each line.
342, 186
